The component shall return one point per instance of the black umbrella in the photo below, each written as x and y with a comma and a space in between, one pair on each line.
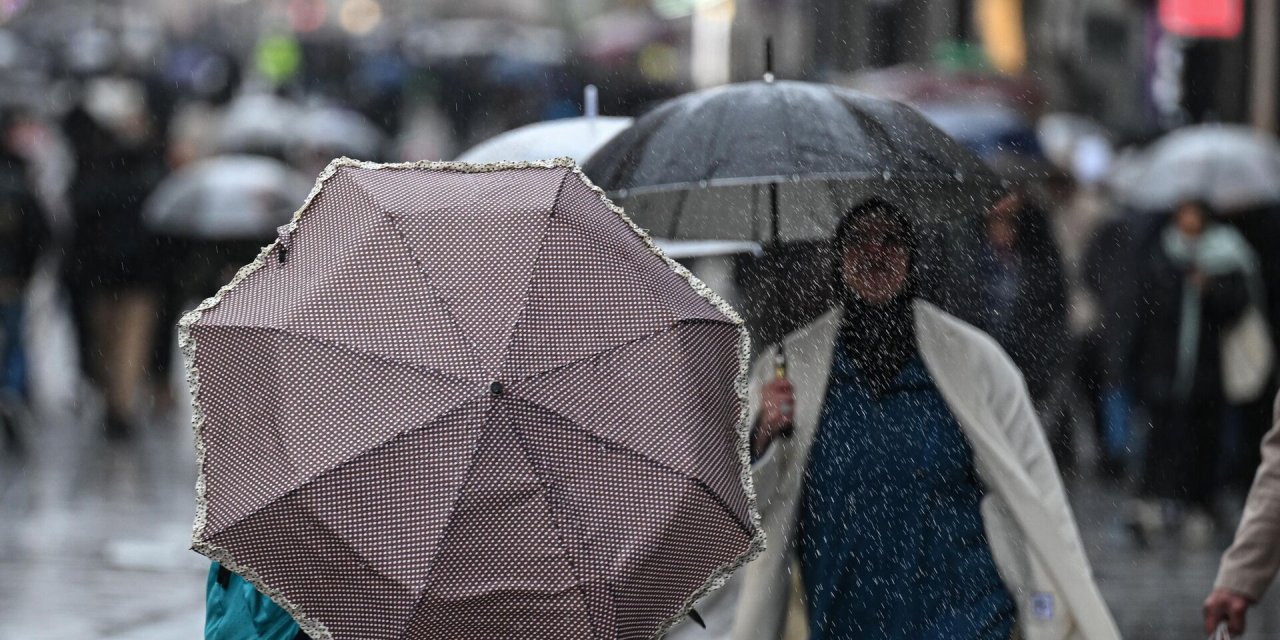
779, 163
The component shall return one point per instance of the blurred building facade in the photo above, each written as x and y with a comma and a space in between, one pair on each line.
1116, 60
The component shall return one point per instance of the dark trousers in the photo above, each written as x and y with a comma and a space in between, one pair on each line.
1182, 452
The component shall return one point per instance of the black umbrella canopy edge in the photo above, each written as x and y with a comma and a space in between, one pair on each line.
936, 155
983, 181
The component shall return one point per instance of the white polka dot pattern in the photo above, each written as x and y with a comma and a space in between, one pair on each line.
473, 403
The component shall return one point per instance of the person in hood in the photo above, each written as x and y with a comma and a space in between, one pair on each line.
1196, 284
901, 466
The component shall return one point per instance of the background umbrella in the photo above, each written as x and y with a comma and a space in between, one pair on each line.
213, 215
259, 124
1231, 167
338, 132
322, 133
780, 162
418, 415
575, 138
231, 197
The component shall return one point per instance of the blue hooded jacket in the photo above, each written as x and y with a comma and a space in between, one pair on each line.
235, 610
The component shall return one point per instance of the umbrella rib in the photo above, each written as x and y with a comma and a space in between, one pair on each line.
370, 355
876, 130
453, 507
716, 132
533, 268
555, 526
308, 481
630, 343
624, 449
430, 286
431, 289
630, 162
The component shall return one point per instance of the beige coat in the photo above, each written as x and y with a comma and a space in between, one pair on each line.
1033, 535
1251, 562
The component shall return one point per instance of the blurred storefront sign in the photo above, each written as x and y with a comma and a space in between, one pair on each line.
711, 42
1003, 38
1202, 18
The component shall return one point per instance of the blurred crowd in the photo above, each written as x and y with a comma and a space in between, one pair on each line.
143, 173
143, 167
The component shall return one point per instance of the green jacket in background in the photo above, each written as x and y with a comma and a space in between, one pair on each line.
235, 610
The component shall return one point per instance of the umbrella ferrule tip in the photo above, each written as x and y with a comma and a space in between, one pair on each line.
495, 388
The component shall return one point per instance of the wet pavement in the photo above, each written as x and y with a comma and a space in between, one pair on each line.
94, 536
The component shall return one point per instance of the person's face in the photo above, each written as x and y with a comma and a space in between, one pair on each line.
876, 261
1190, 220
1002, 222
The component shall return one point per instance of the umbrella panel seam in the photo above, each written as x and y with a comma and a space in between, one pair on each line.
453, 507
555, 525
657, 464
533, 269
430, 285
354, 351
304, 484
615, 348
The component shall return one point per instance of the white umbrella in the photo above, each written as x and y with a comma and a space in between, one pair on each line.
257, 122
576, 138
233, 197
339, 132
1231, 167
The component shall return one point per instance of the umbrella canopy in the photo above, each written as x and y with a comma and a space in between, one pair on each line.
781, 162
1231, 167
258, 123
470, 401
337, 131
575, 138
232, 197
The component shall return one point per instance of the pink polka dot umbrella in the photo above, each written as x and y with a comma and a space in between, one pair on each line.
470, 401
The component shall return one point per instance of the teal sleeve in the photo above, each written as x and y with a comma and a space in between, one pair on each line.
237, 611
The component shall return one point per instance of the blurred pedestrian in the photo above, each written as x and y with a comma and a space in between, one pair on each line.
24, 232
1027, 306
1260, 227
1193, 287
913, 440
111, 271
1250, 564
1109, 276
